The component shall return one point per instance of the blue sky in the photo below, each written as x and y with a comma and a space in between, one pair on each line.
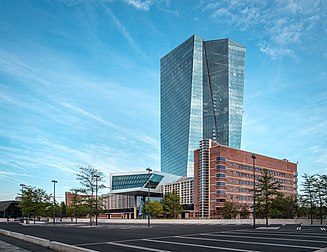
79, 82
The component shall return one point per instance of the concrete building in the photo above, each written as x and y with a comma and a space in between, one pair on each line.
201, 87
184, 187
226, 174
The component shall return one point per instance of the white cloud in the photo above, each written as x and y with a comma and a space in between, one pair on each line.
141, 5
122, 29
283, 24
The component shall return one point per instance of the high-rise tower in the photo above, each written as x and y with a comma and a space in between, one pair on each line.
202, 86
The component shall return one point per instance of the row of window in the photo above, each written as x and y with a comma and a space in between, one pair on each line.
246, 167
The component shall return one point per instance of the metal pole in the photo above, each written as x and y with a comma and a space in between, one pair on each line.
54, 201
149, 171
254, 192
96, 199
22, 185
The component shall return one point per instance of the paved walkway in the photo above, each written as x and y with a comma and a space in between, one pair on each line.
10, 248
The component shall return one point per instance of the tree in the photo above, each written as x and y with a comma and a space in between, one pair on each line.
319, 184
156, 208
244, 211
309, 193
229, 210
283, 207
63, 210
267, 189
35, 202
172, 207
90, 179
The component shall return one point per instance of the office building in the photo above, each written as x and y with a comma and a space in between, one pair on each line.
223, 174
184, 188
201, 87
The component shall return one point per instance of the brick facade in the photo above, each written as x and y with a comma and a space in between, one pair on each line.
231, 176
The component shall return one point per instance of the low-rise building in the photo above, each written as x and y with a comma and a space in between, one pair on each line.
226, 174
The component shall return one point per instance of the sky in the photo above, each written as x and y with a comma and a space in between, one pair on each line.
80, 82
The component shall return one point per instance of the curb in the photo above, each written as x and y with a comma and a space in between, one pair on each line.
57, 246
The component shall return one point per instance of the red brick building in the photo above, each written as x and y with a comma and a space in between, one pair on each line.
223, 173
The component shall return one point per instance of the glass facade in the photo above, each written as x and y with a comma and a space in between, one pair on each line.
181, 107
201, 86
136, 180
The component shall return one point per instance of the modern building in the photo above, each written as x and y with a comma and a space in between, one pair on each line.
140, 184
201, 87
223, 174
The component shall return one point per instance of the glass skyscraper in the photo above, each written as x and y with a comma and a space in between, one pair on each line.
201, 84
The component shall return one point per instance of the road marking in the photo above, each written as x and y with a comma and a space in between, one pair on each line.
199, 245
247, 242
311, 235
321, 250
298, 228
323, 229
258, 237
137, 247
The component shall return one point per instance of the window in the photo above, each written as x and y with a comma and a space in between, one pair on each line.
219, 183
221, 159
220, 175
231, 173
220, 167
220, 191
231, 164
231, 180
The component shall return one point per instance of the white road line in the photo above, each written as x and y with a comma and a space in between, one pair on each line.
199, 245
264, 238
246, 242
311, 235
137, 247
321, 250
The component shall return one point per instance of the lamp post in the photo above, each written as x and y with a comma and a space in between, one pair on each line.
22, 185
149, 171
54, 200
254, 192
96, 198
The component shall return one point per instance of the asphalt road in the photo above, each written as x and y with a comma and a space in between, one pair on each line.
179, 237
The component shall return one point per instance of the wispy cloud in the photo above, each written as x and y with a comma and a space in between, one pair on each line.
122, 29
284, 23
141, 5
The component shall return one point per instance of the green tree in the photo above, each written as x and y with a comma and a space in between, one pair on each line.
91, 180
78, 208
156, 209
244, 211
283, 207
320, 192
309, 193
63, 210
172, 207
265, 192
35, 202
229, 210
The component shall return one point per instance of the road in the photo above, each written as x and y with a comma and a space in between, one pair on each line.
179, 237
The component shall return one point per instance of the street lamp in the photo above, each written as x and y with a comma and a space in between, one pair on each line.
54, 200
149, 171
22, 185
254, 193
96, 198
